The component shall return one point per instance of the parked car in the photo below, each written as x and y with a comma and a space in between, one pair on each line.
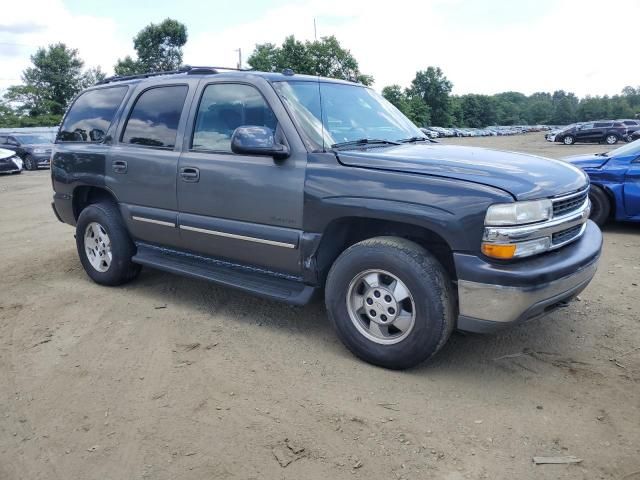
9, 161
608, 132
615, 182
632, 125
33, 149
634, 136
429, 132
237, 178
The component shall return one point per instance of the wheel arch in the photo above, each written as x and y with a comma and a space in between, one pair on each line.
85, 195
343, 232
611, 196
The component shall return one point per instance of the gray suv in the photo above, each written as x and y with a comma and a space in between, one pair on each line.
288, 186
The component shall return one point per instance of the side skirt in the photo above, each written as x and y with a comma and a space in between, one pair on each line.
261, 282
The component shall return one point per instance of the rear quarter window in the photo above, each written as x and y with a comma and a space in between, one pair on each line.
91, 115
603, 124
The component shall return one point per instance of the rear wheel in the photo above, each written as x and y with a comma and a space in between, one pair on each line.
104, 245
600, 205
569, 140
390, 302
611, 139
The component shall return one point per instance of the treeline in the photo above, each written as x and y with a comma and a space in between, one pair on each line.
428, 101
57, 74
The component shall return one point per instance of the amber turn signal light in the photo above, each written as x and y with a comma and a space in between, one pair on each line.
503, 252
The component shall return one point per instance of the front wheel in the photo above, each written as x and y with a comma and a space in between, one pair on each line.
30, 163
390, 302
569, 140
104, 245
611, 139
600, 205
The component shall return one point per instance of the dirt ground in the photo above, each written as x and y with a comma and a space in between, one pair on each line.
172, 378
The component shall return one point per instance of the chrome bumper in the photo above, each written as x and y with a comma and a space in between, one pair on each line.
497, 303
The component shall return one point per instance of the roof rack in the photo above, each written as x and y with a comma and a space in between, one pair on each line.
188, 69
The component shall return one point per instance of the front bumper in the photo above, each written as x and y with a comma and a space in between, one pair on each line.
494, 296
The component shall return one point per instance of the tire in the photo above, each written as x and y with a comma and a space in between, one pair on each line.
428, 301
569, 140
30, 163
611, 139
111, 262
600, 205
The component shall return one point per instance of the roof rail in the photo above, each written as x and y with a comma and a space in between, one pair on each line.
188, 69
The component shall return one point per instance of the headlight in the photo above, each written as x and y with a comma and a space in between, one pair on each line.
17, 161
39, 150
519, 213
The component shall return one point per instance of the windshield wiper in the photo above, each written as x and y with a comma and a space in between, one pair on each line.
417, 139
364, 141
603, 154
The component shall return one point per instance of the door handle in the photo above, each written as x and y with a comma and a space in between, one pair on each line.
190, 174
119, 166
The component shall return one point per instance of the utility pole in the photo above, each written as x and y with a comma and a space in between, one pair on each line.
315, 32
239, 50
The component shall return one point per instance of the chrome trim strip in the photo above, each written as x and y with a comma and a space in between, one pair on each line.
238, 237
499, 303
537, 230
155, 222
563, 197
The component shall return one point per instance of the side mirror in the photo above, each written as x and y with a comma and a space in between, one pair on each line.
253, 140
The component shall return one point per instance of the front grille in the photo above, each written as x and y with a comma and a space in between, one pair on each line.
564, 236
568, 204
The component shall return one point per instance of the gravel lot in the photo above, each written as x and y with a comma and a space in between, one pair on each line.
171, 378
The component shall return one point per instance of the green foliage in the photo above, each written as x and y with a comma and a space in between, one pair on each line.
55, 77
412, 106
158, 48
433, 88
324, 57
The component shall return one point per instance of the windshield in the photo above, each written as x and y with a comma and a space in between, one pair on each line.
334, 113
632, 148
32, 139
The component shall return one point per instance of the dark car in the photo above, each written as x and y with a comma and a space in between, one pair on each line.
634, 136
632, 125
608, 132
615, 182
33, 149
289, 185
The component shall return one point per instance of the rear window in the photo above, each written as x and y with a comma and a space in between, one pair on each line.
91, 115
155, 116
603, 124
630, 122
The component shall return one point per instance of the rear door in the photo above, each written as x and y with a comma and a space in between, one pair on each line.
143, 162
243, 208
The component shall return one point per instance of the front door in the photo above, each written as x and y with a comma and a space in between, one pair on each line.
142, 165
243, 208
632, 189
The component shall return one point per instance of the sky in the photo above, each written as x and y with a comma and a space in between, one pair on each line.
487, 46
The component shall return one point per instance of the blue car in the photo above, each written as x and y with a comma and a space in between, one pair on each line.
615, 182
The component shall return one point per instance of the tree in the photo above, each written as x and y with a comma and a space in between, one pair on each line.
55, 77
412, 106
158, 49
434, 89
324, 57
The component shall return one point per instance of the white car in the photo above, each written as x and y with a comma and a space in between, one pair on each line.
9, 161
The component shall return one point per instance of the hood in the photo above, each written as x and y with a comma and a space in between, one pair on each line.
523, 176
590, 160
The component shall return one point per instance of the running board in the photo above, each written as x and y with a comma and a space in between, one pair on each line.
260, 282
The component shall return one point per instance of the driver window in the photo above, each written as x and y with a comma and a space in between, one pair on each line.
225, 107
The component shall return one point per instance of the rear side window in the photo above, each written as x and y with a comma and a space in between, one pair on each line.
603, 124
91, 115
618, 125
154, 119
225, 107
